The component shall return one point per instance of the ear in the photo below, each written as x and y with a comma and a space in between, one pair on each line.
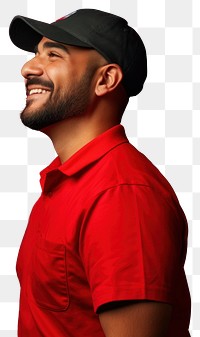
109, 77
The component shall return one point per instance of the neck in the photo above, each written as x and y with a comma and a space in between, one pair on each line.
72, 134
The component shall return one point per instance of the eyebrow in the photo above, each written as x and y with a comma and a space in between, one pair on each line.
50, 44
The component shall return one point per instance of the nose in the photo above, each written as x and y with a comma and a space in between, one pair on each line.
32, 68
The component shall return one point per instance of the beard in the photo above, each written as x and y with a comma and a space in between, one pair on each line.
66, 103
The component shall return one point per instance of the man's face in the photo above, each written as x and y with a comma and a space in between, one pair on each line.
58, 81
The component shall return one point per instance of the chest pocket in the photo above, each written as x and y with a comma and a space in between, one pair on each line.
48, 276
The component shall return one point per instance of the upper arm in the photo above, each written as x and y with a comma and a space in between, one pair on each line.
130, 246
139, 319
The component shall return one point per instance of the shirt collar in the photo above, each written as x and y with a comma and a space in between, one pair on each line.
88, 154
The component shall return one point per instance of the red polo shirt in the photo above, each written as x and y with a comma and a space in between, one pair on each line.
107, 227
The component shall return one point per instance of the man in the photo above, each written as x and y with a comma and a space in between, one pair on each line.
104, 250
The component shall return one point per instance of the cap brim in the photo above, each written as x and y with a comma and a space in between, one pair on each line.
26, 33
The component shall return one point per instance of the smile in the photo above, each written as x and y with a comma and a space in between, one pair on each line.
37, 91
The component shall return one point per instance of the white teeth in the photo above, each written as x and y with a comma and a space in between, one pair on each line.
37, 91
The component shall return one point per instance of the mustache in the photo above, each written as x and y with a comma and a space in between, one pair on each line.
39, 81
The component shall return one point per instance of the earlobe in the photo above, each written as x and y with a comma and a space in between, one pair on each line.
109, 78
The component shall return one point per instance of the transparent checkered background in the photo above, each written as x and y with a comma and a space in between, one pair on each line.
163, 122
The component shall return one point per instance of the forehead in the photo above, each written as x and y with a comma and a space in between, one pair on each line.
47, 43
69, 49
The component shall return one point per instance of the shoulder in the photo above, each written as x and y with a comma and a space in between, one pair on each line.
125, 171
124, 164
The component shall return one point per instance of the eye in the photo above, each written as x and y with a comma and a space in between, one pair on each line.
53, 54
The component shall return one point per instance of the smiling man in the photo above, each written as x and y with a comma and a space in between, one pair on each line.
105, 246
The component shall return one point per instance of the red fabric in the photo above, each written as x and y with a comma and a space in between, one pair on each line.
107, 227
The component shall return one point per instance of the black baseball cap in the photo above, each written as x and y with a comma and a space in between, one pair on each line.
108, 34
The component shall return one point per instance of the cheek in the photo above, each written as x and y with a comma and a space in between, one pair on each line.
61, 76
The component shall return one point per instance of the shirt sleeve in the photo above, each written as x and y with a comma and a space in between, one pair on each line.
131, 245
